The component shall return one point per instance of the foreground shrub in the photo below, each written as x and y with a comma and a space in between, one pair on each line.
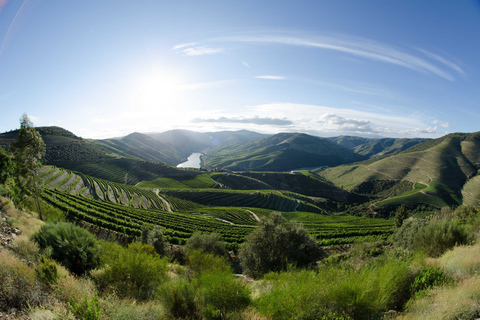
436, 237
117, 309
135, 271
72, 246
46, 271
199, 262
461, 262
154, 236
275, 244
222, 293
404, 235
180, 299
427, 278
18, 288
209, 243
333, 292
87, 308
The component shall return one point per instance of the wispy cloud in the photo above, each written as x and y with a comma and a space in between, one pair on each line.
246, 64
355, 46
254, 120
271, 77
192, 49
444, 124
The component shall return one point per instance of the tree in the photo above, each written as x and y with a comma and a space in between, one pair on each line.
6, 165
400, 215
29, 149
275, 244
209, 243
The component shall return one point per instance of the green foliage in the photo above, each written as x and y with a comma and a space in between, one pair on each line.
400, 215
74, 247
209, 243
135, 271
29, 149
221, 291
87, 309
436, 237
334, 292
155, 237
180, 299
275, 244
403, 236
426, 278
6, 165
18, 288
199, 262
46, 271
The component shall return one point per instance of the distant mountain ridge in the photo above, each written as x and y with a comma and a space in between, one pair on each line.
280, 152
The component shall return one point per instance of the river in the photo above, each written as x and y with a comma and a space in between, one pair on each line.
193, 161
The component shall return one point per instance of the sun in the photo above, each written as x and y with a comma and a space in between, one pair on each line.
158, 91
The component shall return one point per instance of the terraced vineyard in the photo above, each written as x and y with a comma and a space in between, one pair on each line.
273, 200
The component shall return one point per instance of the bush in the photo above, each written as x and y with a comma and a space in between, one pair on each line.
403, 236
74, 247
135, 271
221, 291
275, 244
427, 278
337, 293
156, 238
87, 309
209, 243
18, 288
199, 262
436, 237
180, 299
46, 271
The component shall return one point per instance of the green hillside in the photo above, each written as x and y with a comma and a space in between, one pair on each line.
446, 165
373, 148
281, 152
142, 147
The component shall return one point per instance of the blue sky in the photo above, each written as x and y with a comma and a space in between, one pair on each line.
105, 69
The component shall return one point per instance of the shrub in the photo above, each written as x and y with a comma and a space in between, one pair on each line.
180, 299
46, 271
86, 309
221, 291
156, 238
426, 278
18, 288
209, 243
461, 262
336, 293
74, 247
403, 236
275, 244
199, 262
436, 237
135, 271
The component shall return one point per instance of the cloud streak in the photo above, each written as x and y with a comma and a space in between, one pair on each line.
428, 62
254, 120
271, 77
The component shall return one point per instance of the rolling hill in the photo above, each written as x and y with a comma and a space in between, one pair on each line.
373, 148
280, 152
444, 171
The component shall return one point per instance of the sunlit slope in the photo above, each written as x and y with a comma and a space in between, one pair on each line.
450, 161
142, 147
280, 152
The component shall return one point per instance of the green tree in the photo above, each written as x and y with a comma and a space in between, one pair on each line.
400, 215
28, 150
275, 244
6, 165
209, 243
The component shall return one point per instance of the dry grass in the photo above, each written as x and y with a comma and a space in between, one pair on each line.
450, 302
70, 288
461, 262
28, 223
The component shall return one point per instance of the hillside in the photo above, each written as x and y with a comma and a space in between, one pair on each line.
446, 167
61, 146
373, 148
143, 147
187, 142
280, 152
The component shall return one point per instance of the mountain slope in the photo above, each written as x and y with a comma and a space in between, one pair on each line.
373, 148
446, 165
280, 152
187, 142
143, 147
